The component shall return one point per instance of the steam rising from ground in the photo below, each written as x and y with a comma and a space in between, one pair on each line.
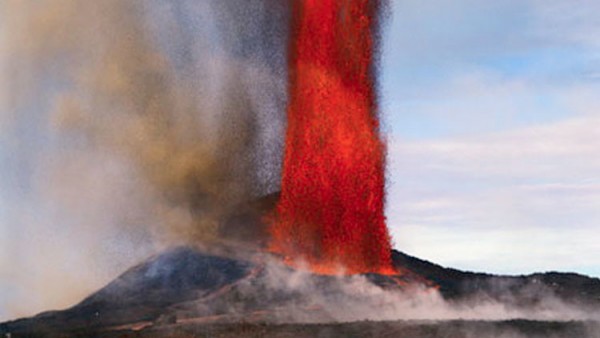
127, 126
355, 298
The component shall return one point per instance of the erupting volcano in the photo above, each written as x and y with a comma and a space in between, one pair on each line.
159, 146
330, 213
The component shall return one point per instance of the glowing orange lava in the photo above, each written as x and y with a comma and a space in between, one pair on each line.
330, 213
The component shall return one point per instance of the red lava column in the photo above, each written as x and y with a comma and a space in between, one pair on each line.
331, 210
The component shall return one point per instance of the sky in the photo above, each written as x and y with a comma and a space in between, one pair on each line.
493, 122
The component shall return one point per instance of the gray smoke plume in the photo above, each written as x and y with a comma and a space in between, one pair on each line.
126, 126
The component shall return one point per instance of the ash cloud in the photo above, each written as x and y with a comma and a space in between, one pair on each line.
125, 127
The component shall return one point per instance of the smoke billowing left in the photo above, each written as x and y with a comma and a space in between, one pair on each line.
127, 126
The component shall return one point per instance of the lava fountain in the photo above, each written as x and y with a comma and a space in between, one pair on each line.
331, 209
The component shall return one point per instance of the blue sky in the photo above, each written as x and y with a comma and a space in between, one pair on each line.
493, 118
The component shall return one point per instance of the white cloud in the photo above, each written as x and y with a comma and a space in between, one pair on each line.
495, 119
568, 22
455, 67
516, 201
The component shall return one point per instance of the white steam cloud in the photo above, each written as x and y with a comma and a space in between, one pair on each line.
356, 298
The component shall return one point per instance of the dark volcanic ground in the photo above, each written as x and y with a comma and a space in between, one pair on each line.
187, 292
412, 329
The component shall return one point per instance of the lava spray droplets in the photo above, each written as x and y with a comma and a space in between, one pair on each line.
330, 212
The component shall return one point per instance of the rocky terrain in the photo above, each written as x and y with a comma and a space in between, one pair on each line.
187, 292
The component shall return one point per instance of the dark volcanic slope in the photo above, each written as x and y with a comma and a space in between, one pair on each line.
141, 293
520, 290
189, 287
